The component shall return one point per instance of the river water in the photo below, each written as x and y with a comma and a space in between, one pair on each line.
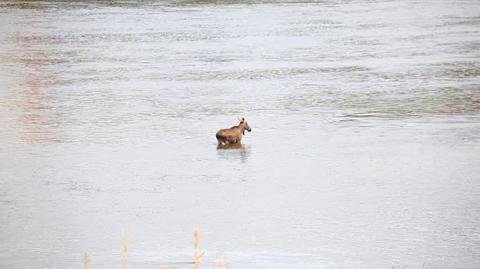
364, 153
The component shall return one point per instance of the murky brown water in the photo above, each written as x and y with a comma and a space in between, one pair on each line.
364, 151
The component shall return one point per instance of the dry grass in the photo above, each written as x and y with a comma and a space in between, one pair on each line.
220, 262
126, 242
198, 253
86, 260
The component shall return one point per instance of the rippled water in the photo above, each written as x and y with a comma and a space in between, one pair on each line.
364, 151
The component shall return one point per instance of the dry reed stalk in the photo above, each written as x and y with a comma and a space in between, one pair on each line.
86, 260
197, 254
220, 262
126, 241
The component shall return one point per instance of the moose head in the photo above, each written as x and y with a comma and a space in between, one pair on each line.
245, 126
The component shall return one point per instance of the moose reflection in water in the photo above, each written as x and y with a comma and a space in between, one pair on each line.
234, 152
232, 137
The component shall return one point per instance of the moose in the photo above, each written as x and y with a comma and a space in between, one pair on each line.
233, 135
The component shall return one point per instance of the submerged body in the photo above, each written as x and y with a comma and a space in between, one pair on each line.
233, 135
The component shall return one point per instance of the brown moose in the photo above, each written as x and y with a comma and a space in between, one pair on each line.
234, 134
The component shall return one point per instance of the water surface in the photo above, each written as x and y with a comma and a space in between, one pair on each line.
364, 151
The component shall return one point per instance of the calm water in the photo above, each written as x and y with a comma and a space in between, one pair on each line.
365, 149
